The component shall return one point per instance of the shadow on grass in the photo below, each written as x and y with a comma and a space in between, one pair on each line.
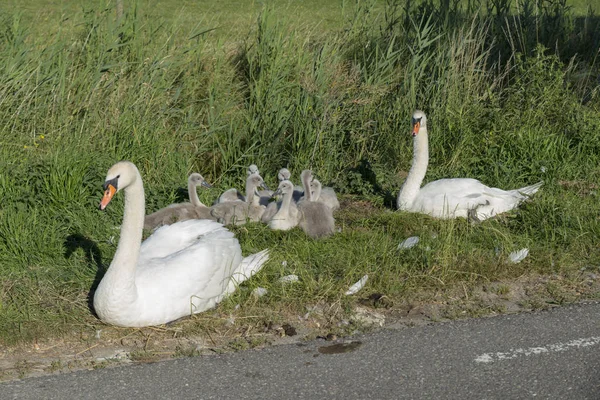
93, 255
362, 180
182, 195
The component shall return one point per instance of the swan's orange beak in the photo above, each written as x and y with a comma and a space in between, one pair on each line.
108, 195
416, 127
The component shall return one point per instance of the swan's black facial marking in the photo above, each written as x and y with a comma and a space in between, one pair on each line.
114, 182
416, 126
110, 188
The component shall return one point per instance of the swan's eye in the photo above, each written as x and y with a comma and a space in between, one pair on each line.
114, 182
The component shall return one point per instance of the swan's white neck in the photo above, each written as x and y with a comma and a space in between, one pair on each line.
194, 199
410, 188
119, 279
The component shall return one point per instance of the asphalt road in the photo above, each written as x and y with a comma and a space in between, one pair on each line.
546, 355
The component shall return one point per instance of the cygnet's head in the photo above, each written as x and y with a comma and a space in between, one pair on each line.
284, 188
256, 181
252, 169
419, 120
314, 185
315, 189
306, 175
198, 180
284, 174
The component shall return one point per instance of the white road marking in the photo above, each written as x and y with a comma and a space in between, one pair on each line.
552, 348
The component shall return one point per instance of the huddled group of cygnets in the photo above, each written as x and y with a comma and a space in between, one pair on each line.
191, 261
310, 206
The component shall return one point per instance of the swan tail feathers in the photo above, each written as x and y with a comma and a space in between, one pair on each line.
529, 190
250, 265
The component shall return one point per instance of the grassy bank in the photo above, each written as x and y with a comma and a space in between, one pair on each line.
511, 93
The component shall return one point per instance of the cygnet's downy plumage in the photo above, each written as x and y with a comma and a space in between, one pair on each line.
181, 211
326, 196
264, 195
287, 215
233, 194
238, 212
285, 174
316, 218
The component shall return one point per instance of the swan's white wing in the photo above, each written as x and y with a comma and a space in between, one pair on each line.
450, 197
456, 197
190, 279
170, 239
249, 266
456, 188
202, 269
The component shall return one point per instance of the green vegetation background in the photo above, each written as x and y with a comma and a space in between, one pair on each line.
511, 90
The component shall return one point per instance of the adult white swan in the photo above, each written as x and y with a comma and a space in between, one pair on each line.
452, 198
182, 269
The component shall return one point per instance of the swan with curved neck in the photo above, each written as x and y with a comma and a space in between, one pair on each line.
181, 269
452, 198
237, 212
195, 209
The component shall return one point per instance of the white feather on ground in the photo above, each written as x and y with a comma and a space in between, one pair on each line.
288, 279
259, 292
408, 243
518, 256
357, 286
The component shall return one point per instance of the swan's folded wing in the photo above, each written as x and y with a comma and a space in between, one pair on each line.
451, 197
196, 276
170, 239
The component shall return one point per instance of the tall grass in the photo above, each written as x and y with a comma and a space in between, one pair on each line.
509, 89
